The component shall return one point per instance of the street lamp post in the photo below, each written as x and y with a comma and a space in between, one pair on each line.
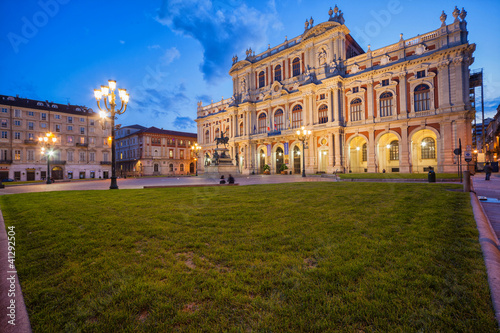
196, 149
46, 141
109, 97
303, 135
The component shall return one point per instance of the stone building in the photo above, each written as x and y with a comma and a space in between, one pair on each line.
82, 149
152, 151
400, 108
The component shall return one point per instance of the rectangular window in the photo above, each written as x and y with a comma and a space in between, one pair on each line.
82, 156
355, 90
17, 155
92, 157
4, 123
58, 128
92, 122
31, 136
92, 140
3, 154
322, 96
4, 110
105, 157
44, 116
17, 135
70, 120
420, 74
385, 83
17, 122
31, 113
57, 116
82, 130
70, 156
70, 138
182, 153
31, 125
17, 113
70, 128
5, 135
82, 139
92, 130
171, 153
31, 155
82, 120
43, 125
105, 141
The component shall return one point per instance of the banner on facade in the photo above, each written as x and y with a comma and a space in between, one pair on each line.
286, 148
269, 150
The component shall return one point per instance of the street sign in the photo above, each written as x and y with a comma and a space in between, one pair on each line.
468, 156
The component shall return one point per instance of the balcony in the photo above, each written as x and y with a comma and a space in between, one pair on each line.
57, 162
5, 161
105, 162
273, 133
78, 144
30, 142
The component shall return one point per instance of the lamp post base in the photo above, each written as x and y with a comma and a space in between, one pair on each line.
49, 181
303, 173
114, 184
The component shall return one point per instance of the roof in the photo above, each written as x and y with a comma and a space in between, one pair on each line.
155, 130
45, 105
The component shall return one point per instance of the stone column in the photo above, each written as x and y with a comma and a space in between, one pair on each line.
331, 157
330, 105
402, 95
287, 116
444, 85
458, 88
404, 154
369, 102
372, 153
445, 148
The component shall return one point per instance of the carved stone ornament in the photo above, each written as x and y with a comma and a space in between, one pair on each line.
443, 18
243, 85
385, 60
463, 14
455, 14
420, 49
354, 68
322, 55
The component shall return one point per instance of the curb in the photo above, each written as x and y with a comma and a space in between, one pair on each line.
490, 247
22, 322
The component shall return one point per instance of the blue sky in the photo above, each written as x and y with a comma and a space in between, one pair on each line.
169, 54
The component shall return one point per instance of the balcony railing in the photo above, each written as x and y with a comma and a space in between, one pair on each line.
57, 162
78, 144
5, 161
105, 162
30, 142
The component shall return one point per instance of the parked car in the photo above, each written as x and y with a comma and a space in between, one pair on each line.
7, 180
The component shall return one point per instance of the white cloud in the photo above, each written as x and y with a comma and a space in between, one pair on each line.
170, 55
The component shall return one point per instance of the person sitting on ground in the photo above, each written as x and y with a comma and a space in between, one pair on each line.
230, 180
222, 180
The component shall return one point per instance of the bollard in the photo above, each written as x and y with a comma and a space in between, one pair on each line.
466, 181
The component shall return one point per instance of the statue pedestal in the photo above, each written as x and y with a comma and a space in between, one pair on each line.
224, 167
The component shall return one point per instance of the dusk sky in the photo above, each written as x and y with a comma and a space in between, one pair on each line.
171, 54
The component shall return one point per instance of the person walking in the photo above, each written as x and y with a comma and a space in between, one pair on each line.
488, 169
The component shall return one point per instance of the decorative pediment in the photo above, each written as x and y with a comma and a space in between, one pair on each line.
319, 29
239, 65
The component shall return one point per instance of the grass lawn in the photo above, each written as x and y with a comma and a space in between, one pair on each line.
302, 257
396, 176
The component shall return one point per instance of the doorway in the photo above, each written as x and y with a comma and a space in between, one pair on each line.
279, 159
296, 160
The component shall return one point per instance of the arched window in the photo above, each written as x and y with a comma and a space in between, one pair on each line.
394, 151
262, 79
428, 148
386, 104
422, 99
278, 120
356, 109
241, 129
262, 122
323, 114
296, 66
207, 137
364, 152
182, 167
171, 167
277, 73
296, 116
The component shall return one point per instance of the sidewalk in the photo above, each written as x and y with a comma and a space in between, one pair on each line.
487, 216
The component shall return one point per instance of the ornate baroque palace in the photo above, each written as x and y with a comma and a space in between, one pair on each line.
400, 108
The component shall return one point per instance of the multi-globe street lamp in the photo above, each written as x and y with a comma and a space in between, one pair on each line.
303, 135
109, 110
47, 142
196, 149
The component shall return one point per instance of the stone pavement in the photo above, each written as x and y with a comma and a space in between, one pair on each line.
487, 216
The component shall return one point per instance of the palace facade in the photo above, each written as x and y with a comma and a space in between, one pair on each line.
152, 151
400, 108
82, 148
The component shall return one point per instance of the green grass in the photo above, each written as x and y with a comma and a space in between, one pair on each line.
396, 176
304, 257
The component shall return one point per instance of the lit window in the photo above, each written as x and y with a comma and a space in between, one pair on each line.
394, 151
241, 128
181, 153
171, 153
70, 139
428, 148
296, 116
182, 167
364, 152
17, 155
